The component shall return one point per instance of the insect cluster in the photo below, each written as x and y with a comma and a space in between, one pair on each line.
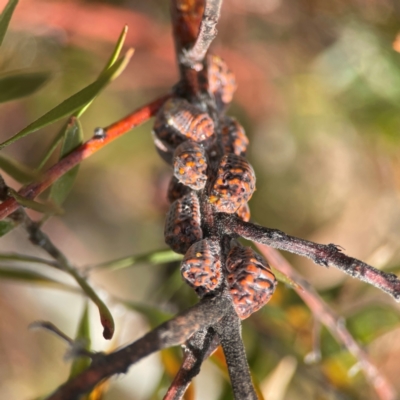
206, 150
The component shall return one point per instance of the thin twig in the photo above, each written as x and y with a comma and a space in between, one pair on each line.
101, 138
199, 347
328, 255
333, 322
40, 239
229, 333
171, 333
194, 56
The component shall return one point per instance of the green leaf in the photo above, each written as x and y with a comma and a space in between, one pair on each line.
28, 276
154, 257
6, 226
154, 315
285, 279
5, 18
15, 85
50, 208
27, 259
114, 56
83, 337
75, 102
18, 171
53, 146
105, 315
73, 137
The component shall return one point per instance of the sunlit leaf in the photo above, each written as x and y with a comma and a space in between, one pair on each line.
154, 257
50, 208
75, 102
19, 84
111, 61
73, 137
83, 336
18, 171
5, 18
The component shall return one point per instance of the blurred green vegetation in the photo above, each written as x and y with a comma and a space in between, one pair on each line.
319, 97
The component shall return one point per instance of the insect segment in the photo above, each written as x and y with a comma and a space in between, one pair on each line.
221, 81
177, 121
176, 190
233, 184
233, 137
190, 165
250, 279
182, 225
201, 266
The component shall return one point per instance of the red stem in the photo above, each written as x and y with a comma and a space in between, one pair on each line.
82, 152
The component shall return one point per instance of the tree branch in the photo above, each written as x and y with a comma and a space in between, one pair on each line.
194, 56
101, 138
322, 312
328, 255
171, 333
199, 347
229, 332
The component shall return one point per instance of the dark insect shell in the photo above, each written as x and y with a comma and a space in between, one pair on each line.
233, 137
178, 120
190, 165
221, 81
250, 280
243, 212
182, 225
233, 184
176, 190
201, 266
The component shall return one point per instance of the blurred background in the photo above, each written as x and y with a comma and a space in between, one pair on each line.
319, 96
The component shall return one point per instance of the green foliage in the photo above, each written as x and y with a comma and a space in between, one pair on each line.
5, 18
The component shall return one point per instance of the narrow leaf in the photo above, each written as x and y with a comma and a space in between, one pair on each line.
285, 279
19, 84
18, 171
53, 146
28, 276
154, 257
75, 102
26, 259
114, 56
34, 205
73, 137
80, 363
117, 49
5, 18
106, 318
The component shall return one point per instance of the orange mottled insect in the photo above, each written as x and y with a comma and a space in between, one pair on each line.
190, 165
176, 190
233, 184
233, 137
182, 225
177, 121
201, 266
221, 81
250, 279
